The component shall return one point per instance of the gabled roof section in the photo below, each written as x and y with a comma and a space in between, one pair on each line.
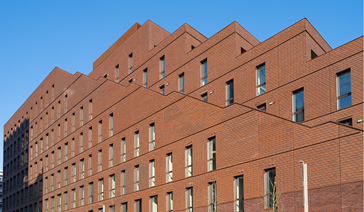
117, 43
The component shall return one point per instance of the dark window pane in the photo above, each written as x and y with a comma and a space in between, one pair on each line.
299, 100
344, 83
345, 101
299, 117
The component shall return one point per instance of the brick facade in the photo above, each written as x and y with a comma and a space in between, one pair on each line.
248, 141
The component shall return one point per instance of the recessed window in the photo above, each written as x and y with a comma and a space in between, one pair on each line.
212, 197
181, 83
162, 89
123, 150
343, 84
262, 107
211, 153
151, 173
145, 78
269, 187
261, 85
192, 47
136, 144
348, 121
242, 50
313, 54
170, 202
189, 202
111, 124
204, 97
100, 131
112, 186
239, 194
117, 73
203, 72
162, 63
101, 189
136, 178
151, 137
138, 205
188, 163
298, 105
130, 63
230, 92
169, 168
154, 203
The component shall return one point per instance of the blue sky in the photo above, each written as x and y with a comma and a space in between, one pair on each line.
36, 36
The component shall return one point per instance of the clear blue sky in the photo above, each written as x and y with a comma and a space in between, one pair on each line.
36, 36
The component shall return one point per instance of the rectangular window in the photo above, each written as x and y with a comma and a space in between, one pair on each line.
138, 205
112, 186
59, 109
261, 79
343, 89
74, 172
73, 122
239, 199
212, 197
81, 116
151, 137
46, 205
100, 131
269, 187
65, 128
65, 200
90, 109
145, 78
73, 147
130, 63
91, 192
90, 137
188, 161
82, 195
298, 105
46, 160
90, 165
52, 160
169, 168
162, 89
112, 208
189, 194
59, 155
82, 169
52, 182
81, 142
211, 154
203, 72
65, 176
111, 125
59, 179
136, 144
262, 107
162, 63
154, 203
123, 150
230, 92
101, 189
136, 178
100, 161
111, 155
181, 83
204, 97
117, 73
170, 202
73, 198
52, 198
65, 103
124, 207
122, 182
151, 173
347, 121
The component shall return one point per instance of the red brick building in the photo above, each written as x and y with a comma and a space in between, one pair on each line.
181, 122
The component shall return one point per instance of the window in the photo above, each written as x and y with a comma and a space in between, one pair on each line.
347, 121
52, 198
117, 73
59, 178
65, 127
111, 155
262, 107
189, 199
242, 50
91, 189
188, 161
90, 137
204, 97
65, 103
151, 173
151, 137
124, 207
123, 150
162, 67
111, 125
100, 160
73, 198
211, 150
59, 134
298, 105
154, 203
136, 144
212, 197
145, 78
74, 172
46, 205
130, 63
313, 54
162, 89
112, 208
181, 83
170, 202
90, 108
59, 155
112, 186
73, 147
82, 169
101, 189
52, 159
52, 181
65, 200
65, 176
269, 187
343, 89
81, 116
81, 142
100, 131
90, 165
239, 194
169, 168
203, 72
73, 122
261, 85
230, 92
138, 205
46, 160
82, 195
122, 182
136, 178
